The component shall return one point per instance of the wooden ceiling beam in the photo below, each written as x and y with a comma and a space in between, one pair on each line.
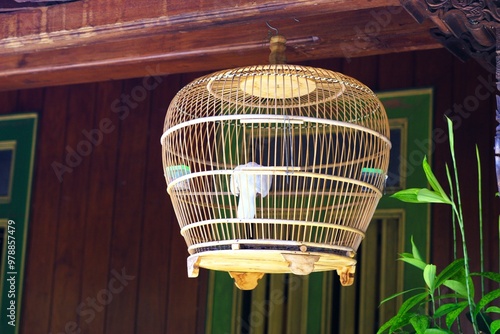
221, 36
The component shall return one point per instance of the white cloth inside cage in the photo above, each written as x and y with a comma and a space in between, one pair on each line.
246, 185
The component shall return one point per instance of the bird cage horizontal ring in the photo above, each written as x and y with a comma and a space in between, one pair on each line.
272, 119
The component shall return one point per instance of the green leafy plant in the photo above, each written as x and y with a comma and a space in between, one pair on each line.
437, 306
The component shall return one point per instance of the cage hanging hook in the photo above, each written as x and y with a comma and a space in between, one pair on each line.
273, 28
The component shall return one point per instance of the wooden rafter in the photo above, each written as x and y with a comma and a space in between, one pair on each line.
96, 40
465, 28
22, 5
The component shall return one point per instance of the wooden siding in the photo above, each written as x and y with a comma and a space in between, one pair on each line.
111, 215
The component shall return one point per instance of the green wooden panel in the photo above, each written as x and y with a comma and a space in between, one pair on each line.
220, 303
368, 284
389, 266
315, 303
297, 311
415, 106
14, 211
277, 303
259, 309
348, 306
327, 302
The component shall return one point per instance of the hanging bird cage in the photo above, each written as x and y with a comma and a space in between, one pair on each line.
275, 169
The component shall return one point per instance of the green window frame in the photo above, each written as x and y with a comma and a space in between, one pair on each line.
18, 134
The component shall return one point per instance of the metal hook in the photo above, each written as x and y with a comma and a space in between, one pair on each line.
271, 27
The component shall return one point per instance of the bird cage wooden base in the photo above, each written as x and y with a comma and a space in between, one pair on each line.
247, 266
275, 169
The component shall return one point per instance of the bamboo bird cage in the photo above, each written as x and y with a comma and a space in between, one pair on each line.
275, 169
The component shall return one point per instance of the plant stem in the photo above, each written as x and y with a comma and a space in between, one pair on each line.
433, 306
453, 220
466, 268
454, 226
460, 220
480, 199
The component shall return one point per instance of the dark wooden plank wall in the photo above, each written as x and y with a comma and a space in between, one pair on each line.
110, 216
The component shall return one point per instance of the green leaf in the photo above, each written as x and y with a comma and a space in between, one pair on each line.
495, 326
436, 331
414, 262
407, 195
497, 194
460, 277
489, 275
387, 325
425, 195
401, 321
493, 309
452, 316
404, 315
434, 183
430, 276
406, 255
447, 308
487, 298
420, 323
450, 271
452, 311
456, 286
411, 303
399, 294
414, 250
449, 295
451, 136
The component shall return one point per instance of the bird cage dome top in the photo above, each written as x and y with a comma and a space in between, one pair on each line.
275, 168
279, 90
